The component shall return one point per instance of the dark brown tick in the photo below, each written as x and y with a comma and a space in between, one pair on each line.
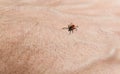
71, 27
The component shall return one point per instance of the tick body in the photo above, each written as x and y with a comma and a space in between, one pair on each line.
71, 28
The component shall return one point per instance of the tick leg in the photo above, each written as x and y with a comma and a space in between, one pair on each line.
76, 29
69, 32
72, 31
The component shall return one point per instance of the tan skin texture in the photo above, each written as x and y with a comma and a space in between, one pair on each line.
45, 48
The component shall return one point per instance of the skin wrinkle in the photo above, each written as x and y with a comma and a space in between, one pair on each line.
95, 60
112, 55
57, 11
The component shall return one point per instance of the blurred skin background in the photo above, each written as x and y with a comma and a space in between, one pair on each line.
32, 40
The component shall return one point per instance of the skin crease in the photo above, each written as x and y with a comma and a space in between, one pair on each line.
32, 40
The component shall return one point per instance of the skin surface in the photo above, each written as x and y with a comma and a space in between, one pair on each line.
32, 40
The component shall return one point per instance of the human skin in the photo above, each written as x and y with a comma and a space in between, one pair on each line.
32, 40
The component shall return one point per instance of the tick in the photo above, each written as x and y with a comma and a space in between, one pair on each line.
71, 27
